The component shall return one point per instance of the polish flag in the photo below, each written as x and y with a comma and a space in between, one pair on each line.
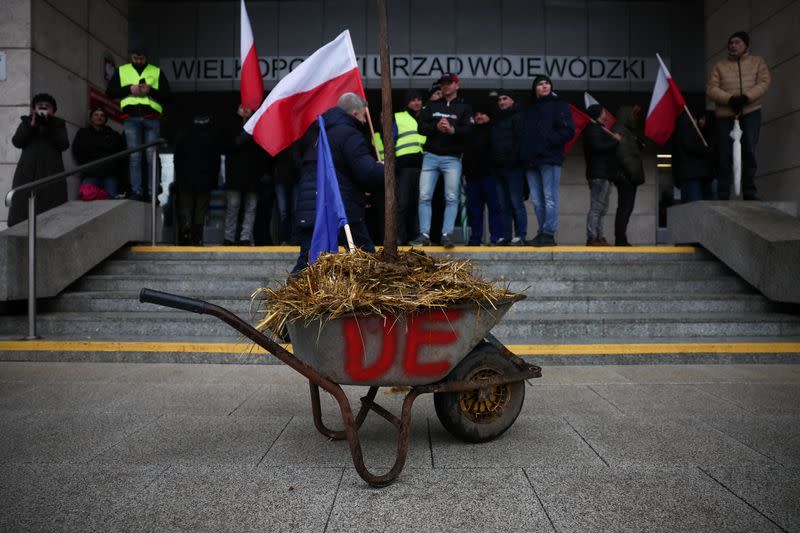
589, 100
307, 91
581, 120
252, 84
666, 105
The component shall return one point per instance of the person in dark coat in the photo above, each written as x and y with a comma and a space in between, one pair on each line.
599, 150
286, 174
630, 170
357, 171
480, 183
508, 172
197, 158
42, 137
245, 165
691, 159
546, 127
97, 141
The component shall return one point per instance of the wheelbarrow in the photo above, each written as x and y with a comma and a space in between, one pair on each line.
478, 385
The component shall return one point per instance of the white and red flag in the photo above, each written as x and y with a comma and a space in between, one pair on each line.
580, 120
589, 100
307, 91
666, 105
251, 87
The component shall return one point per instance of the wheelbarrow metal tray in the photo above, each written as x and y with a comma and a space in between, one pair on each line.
415, 349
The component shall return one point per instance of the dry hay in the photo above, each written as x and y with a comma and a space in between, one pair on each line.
338, 284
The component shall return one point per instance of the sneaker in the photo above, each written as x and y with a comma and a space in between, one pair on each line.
546, 240
421, 240
500, 242
517, 241
447, 242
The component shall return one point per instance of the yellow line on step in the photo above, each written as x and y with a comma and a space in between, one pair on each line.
518, 349
480, 249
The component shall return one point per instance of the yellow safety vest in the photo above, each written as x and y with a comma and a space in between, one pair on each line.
378, 142
129, 76
408, 140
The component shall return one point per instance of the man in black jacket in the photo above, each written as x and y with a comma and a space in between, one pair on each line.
480, 184
446, 125
599, 150
357, 172
508, 171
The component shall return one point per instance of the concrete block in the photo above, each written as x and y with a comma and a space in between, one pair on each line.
784, 185
15, 25
452, 499
224, 498
641, 498
776, 40
782, 98
198, 440
109, 25
9, 121
58, 38
759, 243
776, 145
732, 16
72, 238
16, 89
76, 10
68, 88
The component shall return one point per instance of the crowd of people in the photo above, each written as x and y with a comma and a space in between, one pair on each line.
500, 153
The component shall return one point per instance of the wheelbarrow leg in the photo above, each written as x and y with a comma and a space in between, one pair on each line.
316, 411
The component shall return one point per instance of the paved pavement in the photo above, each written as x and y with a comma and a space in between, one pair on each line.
170, 447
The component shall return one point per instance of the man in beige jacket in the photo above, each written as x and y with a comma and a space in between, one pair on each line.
736, 85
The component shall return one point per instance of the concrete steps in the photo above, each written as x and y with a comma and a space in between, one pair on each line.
576, 296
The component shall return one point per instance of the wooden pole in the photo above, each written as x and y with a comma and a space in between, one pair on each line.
696, 127
372, 135
390, 210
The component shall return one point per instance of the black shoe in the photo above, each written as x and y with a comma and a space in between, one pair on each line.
546, 240
421, 240
447, 242
244, 243
536, 241
136, 197
226, 242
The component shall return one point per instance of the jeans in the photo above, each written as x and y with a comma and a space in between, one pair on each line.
751, 126
140, 130
599, 190
107, 183
233, 204
510, 193
450, 167
626, 198
360, 238
691, 191
482, 191
286, 197
544, 182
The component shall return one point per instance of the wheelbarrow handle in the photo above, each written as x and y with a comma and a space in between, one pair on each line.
173, 300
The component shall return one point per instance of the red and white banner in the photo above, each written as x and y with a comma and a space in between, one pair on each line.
252, 84
581, 120
589, 100
666, 105
309, 90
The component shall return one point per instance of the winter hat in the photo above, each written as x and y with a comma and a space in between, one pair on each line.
412, 94
137, 47
594, 111
44, 97
743, 35
505, 92
540, 78
435, 87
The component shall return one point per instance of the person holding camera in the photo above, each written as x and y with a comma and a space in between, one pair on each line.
42, 137
142, 90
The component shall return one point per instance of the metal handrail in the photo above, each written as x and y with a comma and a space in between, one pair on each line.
33, 186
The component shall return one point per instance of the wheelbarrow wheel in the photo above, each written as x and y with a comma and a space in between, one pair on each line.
480, 415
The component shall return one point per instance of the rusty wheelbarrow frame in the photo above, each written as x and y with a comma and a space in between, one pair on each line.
317, 380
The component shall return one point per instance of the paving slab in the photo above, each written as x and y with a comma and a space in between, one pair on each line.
664, 399
772, 491
558, 400
577, 374
70, 396
60, 437
531, 440
776, 436
441, 500
201, 440
640, 499
761, 398
50, 372
184, 397
234, 499
633, 440
50, 497
177, 373
10, 390
301, 444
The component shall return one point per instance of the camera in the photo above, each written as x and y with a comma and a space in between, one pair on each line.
42, 111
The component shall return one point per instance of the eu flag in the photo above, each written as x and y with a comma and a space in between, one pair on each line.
330, 216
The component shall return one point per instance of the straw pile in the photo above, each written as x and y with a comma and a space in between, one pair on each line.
338, 284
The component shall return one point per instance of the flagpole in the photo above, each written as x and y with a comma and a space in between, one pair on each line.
351, 247
390, 209
696, 127
372, 135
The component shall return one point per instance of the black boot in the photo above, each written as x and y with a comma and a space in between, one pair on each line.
197, 235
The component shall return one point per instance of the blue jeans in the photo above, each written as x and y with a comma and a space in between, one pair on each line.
511, 193
482, 191
544, 182
691, 191
107, 183
450, 167
599, 191
140, 130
